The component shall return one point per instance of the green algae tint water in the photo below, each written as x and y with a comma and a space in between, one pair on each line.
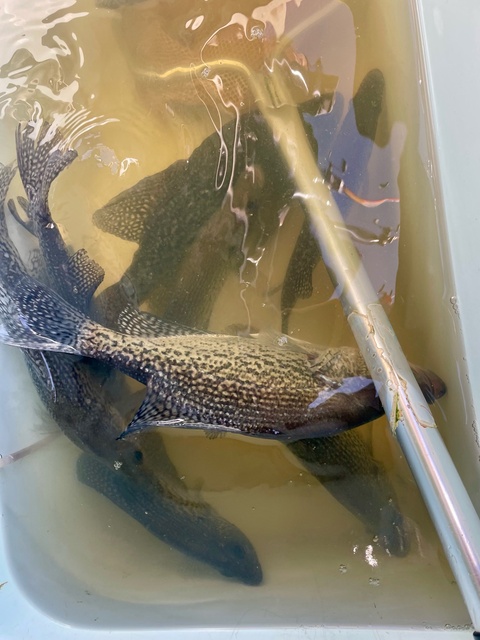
107, 75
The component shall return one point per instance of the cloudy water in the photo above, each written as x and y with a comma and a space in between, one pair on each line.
135, 87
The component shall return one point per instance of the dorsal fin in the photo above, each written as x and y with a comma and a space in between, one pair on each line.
138, 323
84, 276
126, 214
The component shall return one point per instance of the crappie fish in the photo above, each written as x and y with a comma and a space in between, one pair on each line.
211, 382
143, 483
166, 212
343, 464
370, 494
190, 235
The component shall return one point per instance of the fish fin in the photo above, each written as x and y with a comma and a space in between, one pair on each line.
126, 214
26, 224
40, 160
34, 144
34, 317
23, 202
367, 103
27, 339
432, 386
298, 278
38, 361
56, 163
139, 323
137, 425
6, 175
85, 276
211, 430
152, 414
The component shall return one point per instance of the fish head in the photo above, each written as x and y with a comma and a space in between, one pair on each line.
432, 386
229, 551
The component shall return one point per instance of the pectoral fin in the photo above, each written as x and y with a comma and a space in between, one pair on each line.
154, 413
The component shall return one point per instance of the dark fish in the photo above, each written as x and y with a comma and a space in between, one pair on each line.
40, 160
344, 465
165, 213
363, 116
144, 484
211, 382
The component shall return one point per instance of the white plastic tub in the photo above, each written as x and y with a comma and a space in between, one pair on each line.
41, 596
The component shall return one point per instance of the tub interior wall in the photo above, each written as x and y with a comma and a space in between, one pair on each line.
93, 565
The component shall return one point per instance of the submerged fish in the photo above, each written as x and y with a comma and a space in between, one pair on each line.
165, 213
188, 242
363, 116
344, 465
211, 382
139, 479
341, 452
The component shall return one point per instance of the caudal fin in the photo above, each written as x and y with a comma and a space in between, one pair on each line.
37, 150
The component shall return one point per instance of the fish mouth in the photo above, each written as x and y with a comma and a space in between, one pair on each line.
252, 578
239, 560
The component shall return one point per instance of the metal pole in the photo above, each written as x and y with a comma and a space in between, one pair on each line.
411, 421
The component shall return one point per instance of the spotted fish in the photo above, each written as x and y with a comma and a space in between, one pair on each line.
211, 382
345, 453
141, 480
343, 463
166, 213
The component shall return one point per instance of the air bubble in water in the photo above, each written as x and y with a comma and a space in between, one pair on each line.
342, 568
374, 582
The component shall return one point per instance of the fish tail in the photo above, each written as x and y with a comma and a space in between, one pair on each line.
40, 160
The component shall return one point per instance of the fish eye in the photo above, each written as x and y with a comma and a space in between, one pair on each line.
138, 455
